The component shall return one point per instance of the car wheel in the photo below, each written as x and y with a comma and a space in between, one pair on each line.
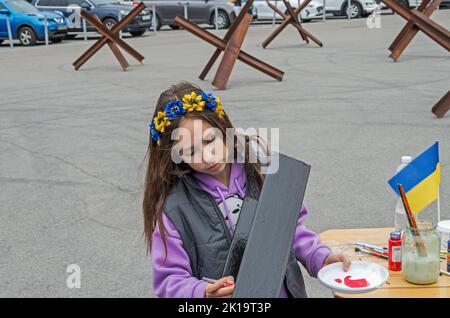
109, 22
403, 3
174, 27
57, 40
223, 21
27, 37
158, 23
138, 33
1, 41
299, 17
356, 10
70, 36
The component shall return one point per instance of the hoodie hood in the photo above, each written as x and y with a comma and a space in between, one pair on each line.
229, 199
217, 189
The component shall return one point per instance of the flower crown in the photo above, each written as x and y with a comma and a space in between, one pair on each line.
176, 108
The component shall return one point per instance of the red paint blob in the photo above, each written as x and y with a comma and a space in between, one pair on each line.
355, 283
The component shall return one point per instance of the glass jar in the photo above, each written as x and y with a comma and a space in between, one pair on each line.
421, 266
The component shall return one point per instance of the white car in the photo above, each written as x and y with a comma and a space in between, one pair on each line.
358, 8
262, 11
405, 3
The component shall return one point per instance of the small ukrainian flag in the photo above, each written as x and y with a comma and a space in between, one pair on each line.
420, 179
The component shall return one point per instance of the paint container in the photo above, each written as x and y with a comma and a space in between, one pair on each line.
395, 251
443, 229
419, 268
448, 256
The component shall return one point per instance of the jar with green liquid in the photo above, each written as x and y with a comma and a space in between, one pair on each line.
421, 254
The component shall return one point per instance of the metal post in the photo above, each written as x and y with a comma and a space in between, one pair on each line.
324, 11
274, 14
154, 26
83, 21
154, 18
46, 29
120, 31
186, 10
216, 13
8, 26
349, 9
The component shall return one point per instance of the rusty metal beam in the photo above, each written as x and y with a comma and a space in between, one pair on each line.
442, 106
290, 18
418, 19
232, 49
110, 37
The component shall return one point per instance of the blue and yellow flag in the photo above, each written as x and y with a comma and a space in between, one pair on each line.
420, 179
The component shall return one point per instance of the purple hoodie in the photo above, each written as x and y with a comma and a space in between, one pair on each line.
173, 278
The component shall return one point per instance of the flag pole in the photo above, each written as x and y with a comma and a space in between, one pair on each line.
438, 194
438, 205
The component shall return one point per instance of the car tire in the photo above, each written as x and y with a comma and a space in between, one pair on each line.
299, 17
223, 21
26, 36
109, 22
158, 23
356, 6
1, 41
174, 27
404, 3
57, 40
138, 33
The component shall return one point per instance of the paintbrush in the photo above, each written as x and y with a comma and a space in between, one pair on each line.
412, 222
445, 273
373, 247
360, 249
213, 281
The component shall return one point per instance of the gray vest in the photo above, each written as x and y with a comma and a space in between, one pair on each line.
205, 234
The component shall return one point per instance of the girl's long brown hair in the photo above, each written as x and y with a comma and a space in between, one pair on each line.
162, 171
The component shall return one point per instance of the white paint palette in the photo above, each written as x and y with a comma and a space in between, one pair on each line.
362, 277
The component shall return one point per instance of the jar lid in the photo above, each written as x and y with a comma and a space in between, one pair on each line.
395, 235
444, 227
406, 159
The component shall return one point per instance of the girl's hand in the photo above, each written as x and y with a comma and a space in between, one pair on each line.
335, 258
220, 289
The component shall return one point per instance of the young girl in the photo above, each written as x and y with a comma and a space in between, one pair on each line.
194, 190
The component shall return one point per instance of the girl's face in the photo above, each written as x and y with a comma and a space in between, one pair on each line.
201, 146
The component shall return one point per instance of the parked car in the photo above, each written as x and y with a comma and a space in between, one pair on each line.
263, 12
414, 3
406, 3
109, 12
358, 8
445, 4
199, 12
28, 23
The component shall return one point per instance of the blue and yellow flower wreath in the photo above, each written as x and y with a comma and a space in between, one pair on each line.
177, 108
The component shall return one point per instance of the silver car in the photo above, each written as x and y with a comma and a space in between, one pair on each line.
198, 11
357, 8
263, 12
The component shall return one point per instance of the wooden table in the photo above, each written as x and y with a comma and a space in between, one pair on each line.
395, 287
